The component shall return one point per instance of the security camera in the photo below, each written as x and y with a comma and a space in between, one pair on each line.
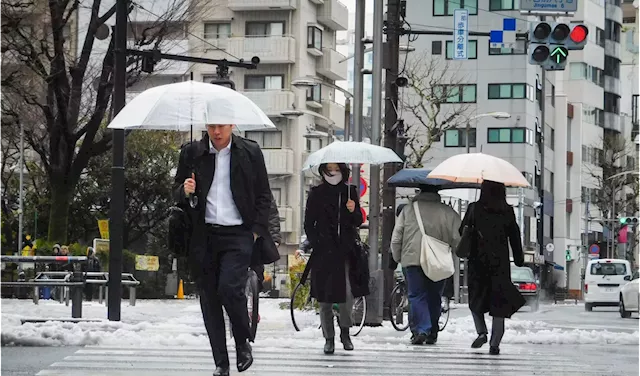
255, 60
402, 82
537, 204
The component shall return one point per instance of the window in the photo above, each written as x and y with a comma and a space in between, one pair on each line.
612, 30
507, 91
528, 176
581, 71
217, 30
446, 7
266, 139
509, 135
611, 66
457, 137
263, 82
455, 93
600, 39
504, 5
314, 37
611, 103
264, 29
593, 115
519, 49
472, 50
277, 195
436, 47
550, 137
613, 268
314, 94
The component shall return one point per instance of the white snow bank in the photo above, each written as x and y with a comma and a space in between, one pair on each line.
158, 323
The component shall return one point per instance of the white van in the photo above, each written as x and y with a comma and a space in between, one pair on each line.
603, 281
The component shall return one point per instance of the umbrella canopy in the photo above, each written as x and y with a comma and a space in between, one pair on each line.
477, 167
190, 105
351, 152
417, 177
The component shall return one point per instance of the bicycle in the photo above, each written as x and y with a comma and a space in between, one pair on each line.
399, 305
305, 309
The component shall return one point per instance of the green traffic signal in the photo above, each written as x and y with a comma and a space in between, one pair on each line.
559, 54
568, 255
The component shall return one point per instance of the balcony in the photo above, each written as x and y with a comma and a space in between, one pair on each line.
287, 220
334, 15
330, 65
318, 2
270, 50
272, 102
612, 85
612, 122
278, 161
244, 5
333, 111
612, 48
613, 12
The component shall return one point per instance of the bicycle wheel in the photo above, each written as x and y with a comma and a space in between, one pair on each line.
358, 314
303, 308
444, 313
253, 295
399, 307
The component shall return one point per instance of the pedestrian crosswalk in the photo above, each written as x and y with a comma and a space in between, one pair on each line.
280, 355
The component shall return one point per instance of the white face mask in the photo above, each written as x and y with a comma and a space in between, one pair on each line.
334, 179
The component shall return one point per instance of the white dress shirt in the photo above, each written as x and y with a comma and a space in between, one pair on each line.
221, 209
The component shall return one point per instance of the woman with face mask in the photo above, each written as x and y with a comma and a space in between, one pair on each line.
332, 217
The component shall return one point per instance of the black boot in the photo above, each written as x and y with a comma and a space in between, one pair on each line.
419, 339
346, 340
494, 350
432, 338
480, 341
329, 346
244, 358
221, 371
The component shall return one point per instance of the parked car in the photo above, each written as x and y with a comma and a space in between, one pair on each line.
629, 297
603, 281
527, 284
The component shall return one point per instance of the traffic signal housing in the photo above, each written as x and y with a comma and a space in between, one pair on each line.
629, 221
550, 42
577, 37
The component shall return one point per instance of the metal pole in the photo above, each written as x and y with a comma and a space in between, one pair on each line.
116, 223
586, 242
612, 236
392, 129
21, 193
302, 206
347, 118
521, 213
465, 277
358, 94
543, 99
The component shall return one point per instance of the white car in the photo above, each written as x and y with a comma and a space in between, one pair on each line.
604, 279
629, 297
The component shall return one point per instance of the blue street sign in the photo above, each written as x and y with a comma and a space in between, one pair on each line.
594, 249
460, 33
506, 37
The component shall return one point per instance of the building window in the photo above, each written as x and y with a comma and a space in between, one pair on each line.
592, 115
600, 39
612, 66
611, 103
314, 37
519, 49
509, 136
436, 47
457, 137
258, 82
277, 195
446, 7
504, 5
612, 30
507, 91
266, 139
582, 71
455, 93
214, 30
314, 94
472, 50
528, 176
550, 137
264, 29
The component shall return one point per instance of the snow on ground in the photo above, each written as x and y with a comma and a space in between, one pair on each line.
157, 323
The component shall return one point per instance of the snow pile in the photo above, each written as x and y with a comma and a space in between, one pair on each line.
161, 323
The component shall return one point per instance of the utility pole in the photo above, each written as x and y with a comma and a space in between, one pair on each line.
21, 200
358, 93
116, 216
543, 99
392, 128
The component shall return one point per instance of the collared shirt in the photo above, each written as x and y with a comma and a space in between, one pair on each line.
221, 209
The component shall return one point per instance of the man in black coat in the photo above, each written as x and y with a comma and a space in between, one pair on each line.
222, 185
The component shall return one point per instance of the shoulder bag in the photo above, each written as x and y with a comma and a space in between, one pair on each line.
435, 255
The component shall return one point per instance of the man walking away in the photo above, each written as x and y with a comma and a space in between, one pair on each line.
222, 183
93, 265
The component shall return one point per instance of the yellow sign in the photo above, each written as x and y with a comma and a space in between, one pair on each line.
103, 226
101, 245
148, 263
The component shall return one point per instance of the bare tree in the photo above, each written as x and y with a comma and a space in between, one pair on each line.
436, 101
61, 91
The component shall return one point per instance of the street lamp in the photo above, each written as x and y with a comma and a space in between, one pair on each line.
496, 115
613, 204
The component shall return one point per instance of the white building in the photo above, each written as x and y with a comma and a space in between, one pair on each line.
292, 38
582, 103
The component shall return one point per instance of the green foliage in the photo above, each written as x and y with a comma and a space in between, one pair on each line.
295, 272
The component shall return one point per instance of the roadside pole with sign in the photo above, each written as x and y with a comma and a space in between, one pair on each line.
460, 34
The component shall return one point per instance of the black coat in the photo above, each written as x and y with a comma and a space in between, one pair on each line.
331, 251
249, 186
490, 286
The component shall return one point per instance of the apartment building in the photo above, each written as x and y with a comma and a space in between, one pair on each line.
582, 103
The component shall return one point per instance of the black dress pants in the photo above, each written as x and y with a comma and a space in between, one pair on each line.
223, 285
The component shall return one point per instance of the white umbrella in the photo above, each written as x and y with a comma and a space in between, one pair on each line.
351, 152
477, 167
190, 104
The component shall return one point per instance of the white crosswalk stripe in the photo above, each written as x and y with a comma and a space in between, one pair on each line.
369, 358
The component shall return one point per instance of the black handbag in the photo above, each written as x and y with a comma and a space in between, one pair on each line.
469, 238
179, 231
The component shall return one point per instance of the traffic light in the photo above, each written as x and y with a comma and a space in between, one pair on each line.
629, 221
550, 42
567, 255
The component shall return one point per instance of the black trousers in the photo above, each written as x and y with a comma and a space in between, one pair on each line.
228, 258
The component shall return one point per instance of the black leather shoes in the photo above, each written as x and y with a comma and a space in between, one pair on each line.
479, 342
221, 371
494, 350
329, 346
244, 358
346, 339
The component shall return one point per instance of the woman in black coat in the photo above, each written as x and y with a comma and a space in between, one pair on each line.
331, 221
490, 286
